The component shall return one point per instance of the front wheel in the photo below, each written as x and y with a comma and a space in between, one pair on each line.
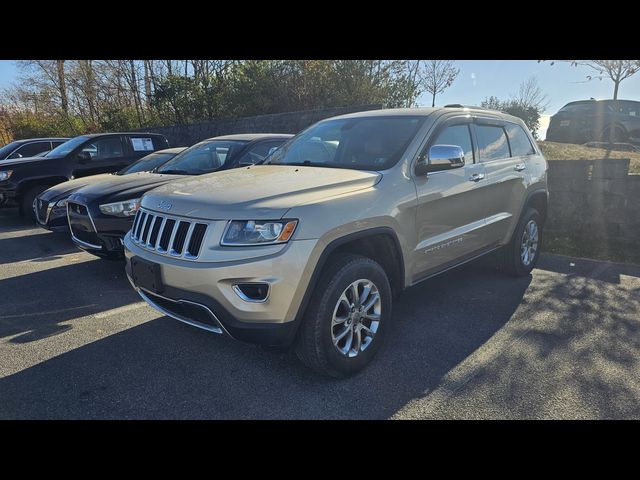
345, 321
28, 200
522, 254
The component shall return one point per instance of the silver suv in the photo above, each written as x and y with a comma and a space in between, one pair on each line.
311, 248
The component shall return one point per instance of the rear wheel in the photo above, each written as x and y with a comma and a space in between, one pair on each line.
28, 198
344, 324
521, 255
617, 136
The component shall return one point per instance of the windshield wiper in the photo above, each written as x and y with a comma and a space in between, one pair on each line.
175, 172
306, 163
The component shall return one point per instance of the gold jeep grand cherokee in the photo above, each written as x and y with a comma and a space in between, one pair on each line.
310, 248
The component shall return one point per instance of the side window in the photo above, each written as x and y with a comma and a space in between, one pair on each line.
519, 141
492, 143
104, 148
144, 145
31, 150
57, 143
258, 152
459, 135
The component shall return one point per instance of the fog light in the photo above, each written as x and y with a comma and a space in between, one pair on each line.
252, 292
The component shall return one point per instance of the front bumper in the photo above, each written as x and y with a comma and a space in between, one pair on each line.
96, 233
51, 217
209, 286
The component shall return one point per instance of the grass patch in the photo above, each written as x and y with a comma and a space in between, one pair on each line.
576, 247
569, 151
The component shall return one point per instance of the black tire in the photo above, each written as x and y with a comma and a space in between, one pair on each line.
26, 203
512, 261
314, 345
618, 135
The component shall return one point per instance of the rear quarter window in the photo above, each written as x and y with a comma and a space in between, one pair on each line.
144, 144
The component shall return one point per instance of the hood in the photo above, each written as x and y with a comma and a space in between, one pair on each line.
64, 189
260, 192
116, 188
4, 164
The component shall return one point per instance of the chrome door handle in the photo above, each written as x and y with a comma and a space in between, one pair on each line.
519, 167
476, 177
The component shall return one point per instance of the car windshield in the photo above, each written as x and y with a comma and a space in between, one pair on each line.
147, 163
67, 147
7, 149
203, 157
366, 143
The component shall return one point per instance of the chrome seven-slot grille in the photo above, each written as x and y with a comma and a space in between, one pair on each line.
167, 235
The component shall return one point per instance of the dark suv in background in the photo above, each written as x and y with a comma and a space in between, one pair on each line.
29, 147
23, 179
594, 120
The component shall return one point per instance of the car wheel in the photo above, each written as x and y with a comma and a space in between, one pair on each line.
618, 135
522, 254
344, 324
26, 204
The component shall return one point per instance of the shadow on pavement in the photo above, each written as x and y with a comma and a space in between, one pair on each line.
165, 369
33, 305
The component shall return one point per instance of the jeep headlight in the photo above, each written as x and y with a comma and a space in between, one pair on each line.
258, 232
5, 174
128, 208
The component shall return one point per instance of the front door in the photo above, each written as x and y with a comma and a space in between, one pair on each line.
99, 155
450, 215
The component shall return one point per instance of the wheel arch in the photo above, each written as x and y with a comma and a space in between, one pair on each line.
379, 243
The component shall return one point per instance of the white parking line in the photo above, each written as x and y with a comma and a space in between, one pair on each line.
50, 312
116, 311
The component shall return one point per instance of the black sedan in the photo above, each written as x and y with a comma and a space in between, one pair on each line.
101, 214
50, 207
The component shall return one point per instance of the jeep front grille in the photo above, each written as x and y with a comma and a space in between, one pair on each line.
168, 235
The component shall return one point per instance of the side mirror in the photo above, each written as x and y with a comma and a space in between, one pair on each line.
441, 157
83, 157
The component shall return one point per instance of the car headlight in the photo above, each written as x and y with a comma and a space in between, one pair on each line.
128, 208
5, 174
261, 232
61, 203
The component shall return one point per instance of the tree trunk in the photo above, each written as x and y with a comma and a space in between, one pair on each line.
615, 89
62, 86
147, 83
433, 99
136, 93
89, 92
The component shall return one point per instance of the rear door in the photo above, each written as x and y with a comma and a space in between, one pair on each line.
99, 155
450, 215
506, 174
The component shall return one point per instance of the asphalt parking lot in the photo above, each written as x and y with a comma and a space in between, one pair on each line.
76, 342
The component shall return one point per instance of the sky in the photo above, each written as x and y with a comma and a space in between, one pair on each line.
479, 79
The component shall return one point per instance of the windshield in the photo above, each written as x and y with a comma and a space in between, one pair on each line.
67, 147
367, 143
148, 163
203, 157
7, 149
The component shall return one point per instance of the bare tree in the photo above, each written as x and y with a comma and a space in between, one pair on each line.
438, 76
530, 95
62, 86
614, 70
